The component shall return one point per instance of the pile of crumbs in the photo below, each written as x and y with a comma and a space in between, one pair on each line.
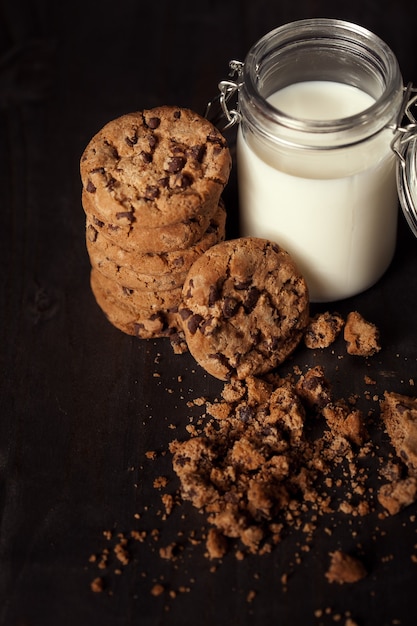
268, 451
274, 454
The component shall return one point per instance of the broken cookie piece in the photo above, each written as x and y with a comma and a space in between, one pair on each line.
361, 336
346, 422
314, 388
398, 494
216, 544
323, 329
399, 414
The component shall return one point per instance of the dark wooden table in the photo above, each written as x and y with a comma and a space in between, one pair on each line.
82, 403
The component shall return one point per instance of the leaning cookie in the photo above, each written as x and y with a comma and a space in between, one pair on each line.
244, 308
158, 166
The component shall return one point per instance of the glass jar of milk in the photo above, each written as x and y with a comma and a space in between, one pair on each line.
318, 104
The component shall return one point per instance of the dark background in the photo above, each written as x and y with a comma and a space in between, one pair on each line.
81, 403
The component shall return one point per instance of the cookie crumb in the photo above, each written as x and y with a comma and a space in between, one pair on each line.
344, 568
97, 585
167, 552
216, 544
350, 622
157, 589
160, 482
251, 596
121, 552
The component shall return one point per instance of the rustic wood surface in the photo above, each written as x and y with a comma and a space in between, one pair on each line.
82, 403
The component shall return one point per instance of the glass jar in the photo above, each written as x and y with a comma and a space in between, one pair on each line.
318, 103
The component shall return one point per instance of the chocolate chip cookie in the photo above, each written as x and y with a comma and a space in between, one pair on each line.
132, 236
142, 323
244, 307
399, 414
165, 270
139, 299
155, 167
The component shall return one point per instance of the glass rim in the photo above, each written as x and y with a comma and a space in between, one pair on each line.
334, 32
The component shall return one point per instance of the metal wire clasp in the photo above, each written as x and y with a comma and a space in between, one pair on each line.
227, 89
403, 134
404, 146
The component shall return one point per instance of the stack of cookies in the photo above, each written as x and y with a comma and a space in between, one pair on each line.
152, 185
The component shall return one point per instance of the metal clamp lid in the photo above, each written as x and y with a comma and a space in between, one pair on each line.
227, 89
404, 144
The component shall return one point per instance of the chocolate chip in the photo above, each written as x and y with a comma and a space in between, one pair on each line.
164, 182
91, 188
230, 307
92, 233
146, 156
185, 313
175, 164
153, 122
197, 152
251, 299
127, 215
274, 344
98, 222
152, 192
246, 413
206, 326
216, 139
214, 295
111, 183
181, 460
243, 285
131, 141
113, 150
193, 323
177, 115
185, 180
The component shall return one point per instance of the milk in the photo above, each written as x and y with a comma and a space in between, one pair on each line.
334, 210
